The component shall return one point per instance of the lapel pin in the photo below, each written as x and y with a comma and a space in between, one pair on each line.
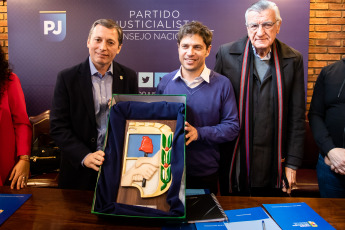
121, 77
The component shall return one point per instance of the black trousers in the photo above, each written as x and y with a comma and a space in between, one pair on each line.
206, 182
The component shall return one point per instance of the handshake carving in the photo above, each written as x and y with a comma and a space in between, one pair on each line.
144, 168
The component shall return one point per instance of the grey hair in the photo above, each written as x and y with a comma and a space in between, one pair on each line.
264, 5
110, 24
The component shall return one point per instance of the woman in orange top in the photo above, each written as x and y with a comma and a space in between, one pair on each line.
15, 129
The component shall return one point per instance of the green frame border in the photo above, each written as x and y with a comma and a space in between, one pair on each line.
180, 218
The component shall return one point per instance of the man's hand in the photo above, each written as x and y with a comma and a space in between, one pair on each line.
192, 133
94, 160
336, 159
291, 177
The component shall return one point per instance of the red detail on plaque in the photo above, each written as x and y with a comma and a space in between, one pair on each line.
166, 148
166, 165
146, 145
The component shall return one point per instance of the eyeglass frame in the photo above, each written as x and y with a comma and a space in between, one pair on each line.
263, 25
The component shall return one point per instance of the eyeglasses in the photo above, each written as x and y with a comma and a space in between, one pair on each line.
265, 25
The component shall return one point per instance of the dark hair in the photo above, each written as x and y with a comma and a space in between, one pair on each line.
195, 27
110, 24
5, 72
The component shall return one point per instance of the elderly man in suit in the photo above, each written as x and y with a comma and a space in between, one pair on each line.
80, 105
267, 76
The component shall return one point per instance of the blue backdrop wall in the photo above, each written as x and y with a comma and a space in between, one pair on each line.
47, 36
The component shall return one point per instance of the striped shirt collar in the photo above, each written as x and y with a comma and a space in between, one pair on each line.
94, 71
267, 57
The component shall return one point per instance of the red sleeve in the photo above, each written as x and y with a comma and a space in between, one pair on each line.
20, 119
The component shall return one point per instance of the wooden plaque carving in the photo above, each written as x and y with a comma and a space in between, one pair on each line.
146, 169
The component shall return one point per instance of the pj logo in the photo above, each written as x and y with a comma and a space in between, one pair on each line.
53, 25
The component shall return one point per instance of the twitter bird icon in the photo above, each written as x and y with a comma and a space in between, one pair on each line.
145, 79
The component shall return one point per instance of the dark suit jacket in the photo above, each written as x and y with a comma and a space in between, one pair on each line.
229, 63
73, 121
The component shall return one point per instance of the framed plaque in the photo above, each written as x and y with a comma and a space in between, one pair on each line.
143, 171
